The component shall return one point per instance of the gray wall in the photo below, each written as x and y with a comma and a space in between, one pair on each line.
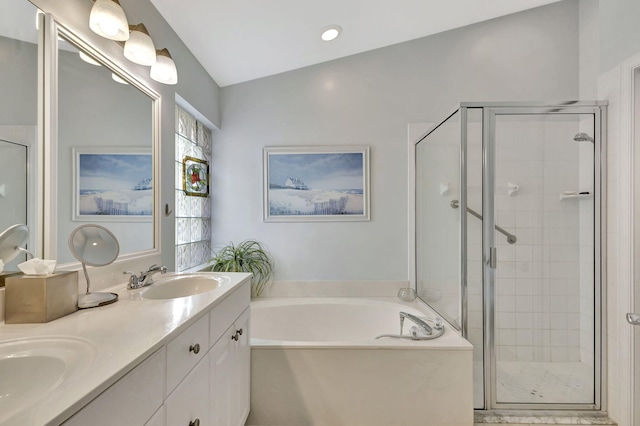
18, 82
194, 85
619, 31
369, 99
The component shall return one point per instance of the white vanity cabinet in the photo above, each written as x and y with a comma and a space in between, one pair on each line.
201, 377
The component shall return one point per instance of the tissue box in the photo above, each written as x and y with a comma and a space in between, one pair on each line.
40, 298
5, 275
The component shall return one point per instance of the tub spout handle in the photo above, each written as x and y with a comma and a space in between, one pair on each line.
422, 324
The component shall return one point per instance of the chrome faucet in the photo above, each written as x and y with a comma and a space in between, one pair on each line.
422, 324
145, 278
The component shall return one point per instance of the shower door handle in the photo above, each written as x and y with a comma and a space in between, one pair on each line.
493, 258
633, 319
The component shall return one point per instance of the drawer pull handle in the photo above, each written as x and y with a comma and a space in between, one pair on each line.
237, 335
195, 349
196, 422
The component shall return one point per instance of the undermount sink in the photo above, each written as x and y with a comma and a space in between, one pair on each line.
33, 367
184, 285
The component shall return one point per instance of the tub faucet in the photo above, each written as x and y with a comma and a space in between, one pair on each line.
145, 278
422, 324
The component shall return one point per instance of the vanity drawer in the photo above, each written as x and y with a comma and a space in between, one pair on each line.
223, 315
184, 352
189, 403
132, 400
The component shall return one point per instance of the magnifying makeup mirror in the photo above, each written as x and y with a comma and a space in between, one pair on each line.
94, 245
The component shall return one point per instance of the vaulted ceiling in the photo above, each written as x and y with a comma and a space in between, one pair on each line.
241, 40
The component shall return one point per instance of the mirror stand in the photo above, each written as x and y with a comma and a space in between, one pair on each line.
93, 300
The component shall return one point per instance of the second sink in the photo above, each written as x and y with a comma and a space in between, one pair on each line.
32, 368
184, 285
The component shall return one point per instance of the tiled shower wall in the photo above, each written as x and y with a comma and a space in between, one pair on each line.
544, 282
193, 213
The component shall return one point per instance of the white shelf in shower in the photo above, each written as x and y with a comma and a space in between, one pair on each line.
576, 196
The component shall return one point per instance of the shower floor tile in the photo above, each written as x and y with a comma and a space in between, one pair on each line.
544, 382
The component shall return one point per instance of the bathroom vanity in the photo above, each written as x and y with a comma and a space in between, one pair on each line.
140, 361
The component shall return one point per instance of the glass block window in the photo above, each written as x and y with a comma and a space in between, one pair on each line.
193, 213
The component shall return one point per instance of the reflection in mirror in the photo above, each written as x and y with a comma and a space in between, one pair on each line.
94, 245
105, 152
12, 242
18, 119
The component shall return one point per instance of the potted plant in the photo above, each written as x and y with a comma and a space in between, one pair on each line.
248, 256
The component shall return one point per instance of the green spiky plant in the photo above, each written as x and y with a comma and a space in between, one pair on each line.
248, 256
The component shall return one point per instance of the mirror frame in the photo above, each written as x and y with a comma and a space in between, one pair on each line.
48, 136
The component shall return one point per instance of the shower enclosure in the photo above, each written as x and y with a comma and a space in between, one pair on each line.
509, 247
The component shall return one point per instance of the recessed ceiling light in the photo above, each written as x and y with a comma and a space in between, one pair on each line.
331, 32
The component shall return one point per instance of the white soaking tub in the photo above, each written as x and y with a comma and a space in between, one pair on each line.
315, 361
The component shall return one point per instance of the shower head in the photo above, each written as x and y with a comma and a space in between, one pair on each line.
583, 137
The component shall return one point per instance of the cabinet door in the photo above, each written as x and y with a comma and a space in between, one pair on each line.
222, 377
189, 403
242, 369
230, 374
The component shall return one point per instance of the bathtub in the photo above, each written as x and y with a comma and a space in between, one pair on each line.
315, 361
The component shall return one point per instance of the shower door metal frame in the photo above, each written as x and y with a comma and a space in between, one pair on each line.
490, 111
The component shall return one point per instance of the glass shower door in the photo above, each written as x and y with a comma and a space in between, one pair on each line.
541, 169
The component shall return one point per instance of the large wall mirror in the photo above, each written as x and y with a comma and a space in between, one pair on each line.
105, 150
97, 159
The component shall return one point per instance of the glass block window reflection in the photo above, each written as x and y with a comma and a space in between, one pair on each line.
193, 214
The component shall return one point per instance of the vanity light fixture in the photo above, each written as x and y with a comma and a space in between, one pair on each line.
88, 59
164, 70
331, 32
139, 48
108, 20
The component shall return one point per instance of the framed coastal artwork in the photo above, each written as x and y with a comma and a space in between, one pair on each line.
112, 184
316, 183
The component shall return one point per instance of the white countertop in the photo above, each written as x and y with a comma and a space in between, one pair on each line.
121, 334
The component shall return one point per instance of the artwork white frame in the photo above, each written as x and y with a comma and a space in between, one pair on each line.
316, 183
